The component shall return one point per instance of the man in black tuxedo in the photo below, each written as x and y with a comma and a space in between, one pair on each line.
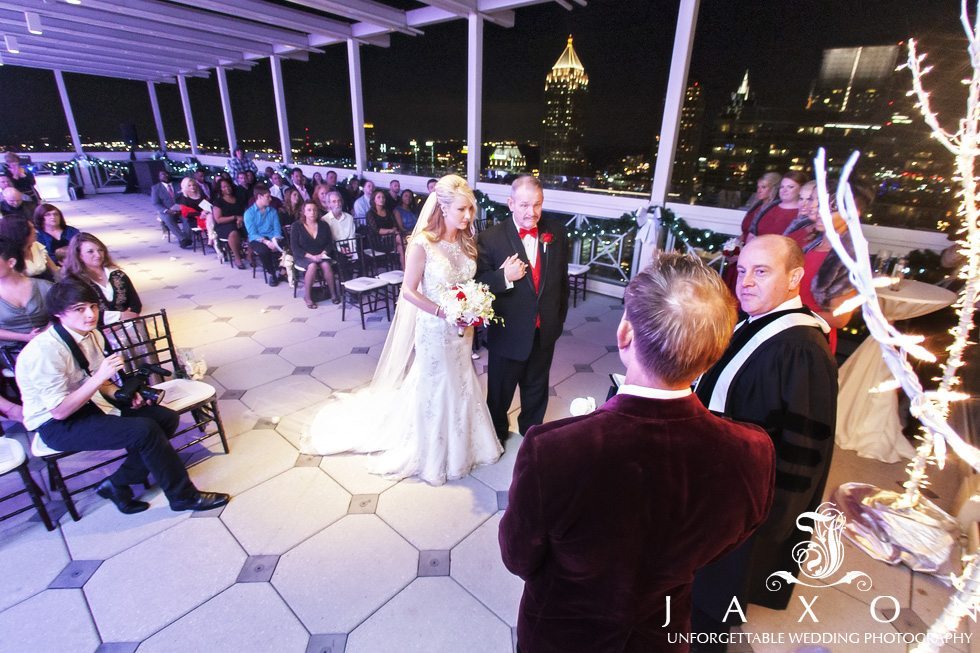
524, 261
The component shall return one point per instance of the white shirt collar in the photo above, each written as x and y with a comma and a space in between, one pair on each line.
519, 227
794, 302
76, 335
651, 393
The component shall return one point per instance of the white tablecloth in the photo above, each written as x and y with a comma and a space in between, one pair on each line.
868, 423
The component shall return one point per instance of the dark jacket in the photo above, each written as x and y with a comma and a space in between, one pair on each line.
611, 513
520, 305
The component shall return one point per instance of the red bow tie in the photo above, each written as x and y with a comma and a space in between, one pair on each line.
532, 232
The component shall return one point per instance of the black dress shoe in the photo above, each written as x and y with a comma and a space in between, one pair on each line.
274, 281
122, 497
203, 501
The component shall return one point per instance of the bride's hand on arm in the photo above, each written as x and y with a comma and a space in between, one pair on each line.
414, 266
513, 267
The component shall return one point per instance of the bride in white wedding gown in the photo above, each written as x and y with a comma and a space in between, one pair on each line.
424, 413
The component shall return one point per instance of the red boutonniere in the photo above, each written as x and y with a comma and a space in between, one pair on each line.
546, 239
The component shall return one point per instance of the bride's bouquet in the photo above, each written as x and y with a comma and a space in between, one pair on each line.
468, 304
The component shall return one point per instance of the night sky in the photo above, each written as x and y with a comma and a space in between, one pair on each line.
417, 87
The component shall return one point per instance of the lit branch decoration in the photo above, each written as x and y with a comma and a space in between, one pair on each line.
930, 408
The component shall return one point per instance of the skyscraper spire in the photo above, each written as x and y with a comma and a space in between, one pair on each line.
564, 88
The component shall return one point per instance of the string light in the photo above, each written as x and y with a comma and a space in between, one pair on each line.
930, 408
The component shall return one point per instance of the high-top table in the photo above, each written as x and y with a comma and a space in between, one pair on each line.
869, 423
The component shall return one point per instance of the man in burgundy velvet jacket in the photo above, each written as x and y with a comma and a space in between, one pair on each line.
610, 514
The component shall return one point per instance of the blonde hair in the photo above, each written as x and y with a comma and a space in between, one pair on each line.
682, 316
187, 183
447, 190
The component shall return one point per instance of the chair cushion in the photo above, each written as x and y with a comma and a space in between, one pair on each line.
184, 393
394, 277
11, 454
39, 449
363, 284
574, 269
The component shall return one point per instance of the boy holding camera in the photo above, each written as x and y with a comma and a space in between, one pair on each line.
65, 382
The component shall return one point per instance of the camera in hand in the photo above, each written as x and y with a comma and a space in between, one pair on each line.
133, 383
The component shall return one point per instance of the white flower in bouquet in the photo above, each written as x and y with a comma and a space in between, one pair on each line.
732, 246
467, 304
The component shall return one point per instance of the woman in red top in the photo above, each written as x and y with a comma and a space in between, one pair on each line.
825, 284
765, 194
774, 218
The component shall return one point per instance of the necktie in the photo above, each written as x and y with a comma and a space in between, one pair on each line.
532, 232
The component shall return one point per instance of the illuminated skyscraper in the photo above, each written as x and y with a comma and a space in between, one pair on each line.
855, 81
565, 88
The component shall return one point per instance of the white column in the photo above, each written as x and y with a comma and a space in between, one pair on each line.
185, 100
157, 118
280, 97
687, 20
474, 98
226, 110
69, 116
357, 105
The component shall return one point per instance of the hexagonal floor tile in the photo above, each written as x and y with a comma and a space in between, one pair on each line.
277, 515
350, 472
437, 517
54, 620
427, 616
256, 456
286, 396
347, 372
584, 384
498, 475
341, 575
245, 617
32, 558
143, 589
236, 417
231, 350
477, 566
105, 531
290, 332
191, 334
252, 372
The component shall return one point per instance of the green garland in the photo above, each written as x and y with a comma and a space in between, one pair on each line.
705, 239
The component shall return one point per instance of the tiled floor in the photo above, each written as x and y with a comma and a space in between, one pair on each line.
315, 554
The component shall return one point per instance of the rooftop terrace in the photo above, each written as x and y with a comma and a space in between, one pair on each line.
314, 554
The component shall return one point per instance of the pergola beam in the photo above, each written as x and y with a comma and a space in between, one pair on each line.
365, 11
157, 117
92, 67
92, 70
73, 52
266, 13
69, 114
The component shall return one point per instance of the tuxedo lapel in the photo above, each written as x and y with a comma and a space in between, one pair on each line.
518, 246
545, 259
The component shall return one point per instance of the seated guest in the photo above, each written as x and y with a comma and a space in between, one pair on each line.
263, 228
202, 181
610, 567
268, 172
190, 202
65, 380
342, 225
37, 263
430, 186
52, 231
774, 217
241, 181
406, 210
312, 248
394, 197
363, 203
88, 261
331, 180
382, 221
277, 186
320, 195
351, 194
23, 178
229, 218
23, 313
13, 206
163, 195
240, 163
300, 184
250, 180
317, 181
292, 205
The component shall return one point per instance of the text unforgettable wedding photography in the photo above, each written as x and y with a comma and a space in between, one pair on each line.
504, 326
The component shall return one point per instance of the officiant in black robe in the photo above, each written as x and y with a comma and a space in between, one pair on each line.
778, 373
